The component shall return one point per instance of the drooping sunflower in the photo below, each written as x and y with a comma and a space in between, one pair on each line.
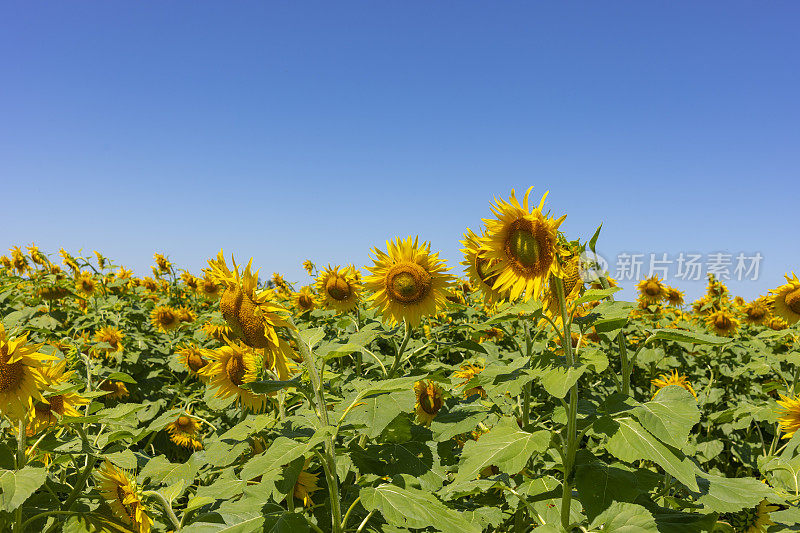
306, 485
36, 255
116, 389
184, 432
482, 272
524, 241
21, 378
65, 404
789, 420
19, 260
408, 282
338, 288
716, 289
675, 296
753, 520
165, 318
228, 368
5, 261
757, 311
777, 323
163, 264
111, 336
651, 291
304, 299
430, 397
85, 283
124, 274
786, 299
191, 357
722, 322
466, 373
673, 378
189, 280
309, 267
124, 497
220, 332
69, 261
571, 278
150, 284
209, 289
185, 314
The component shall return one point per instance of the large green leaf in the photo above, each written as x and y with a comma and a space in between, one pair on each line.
505, 446
670, 415
413, 508
729, 495
17, 486
686, 336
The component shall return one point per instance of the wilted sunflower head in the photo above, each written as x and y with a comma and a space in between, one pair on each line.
674, 296
304, 299
165, 318
185, 314
116, 389
184, 431
191, 357
716, 289
36, 255
338, 288
482, 272
150, 284
673, 378
228, 368
189, 280
525, 242
789, 412
309, 267
251, 315
408, 282
121, 493
162, 263
651, 291
777, 323
18, 260
68, 260
786, 299
21, 378
722, 322
430, 397
757, 311
208, 288
5, 261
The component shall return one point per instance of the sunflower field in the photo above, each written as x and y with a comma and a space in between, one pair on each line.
520, 396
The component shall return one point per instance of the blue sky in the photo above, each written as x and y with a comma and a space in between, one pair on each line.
294, 130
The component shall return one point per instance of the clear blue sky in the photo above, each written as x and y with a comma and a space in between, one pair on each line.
294, 130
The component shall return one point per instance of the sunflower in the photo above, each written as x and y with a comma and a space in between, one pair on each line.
21, 377
789, 420
191, 357
164, 266
571, 276
19, 260
786, 299
430, 397
409, 282
185, 314
304, 299
757, 311
524, 242
85, 283
52, 292
6, 262
228, 368
124, 274
189, 280
220, 332
716, 289
651, 291
119, 490
116, 389
338, 288
482, 272
467, 372
674, 296
109, 335
36, 255
45, 411
69, 261
306, 485
183, 431
777, 323
722, 322
493, 334
208, 288
309, 267
150, 284
673, 378
753, 520
165, 318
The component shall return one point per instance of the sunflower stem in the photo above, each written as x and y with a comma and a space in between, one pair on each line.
400, 351
21, 429
329, 462
526, 390
166, 505
572, 417
79, 484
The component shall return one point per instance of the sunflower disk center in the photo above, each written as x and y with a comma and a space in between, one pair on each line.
793, 301
408, 283
235, 369
10, 375
338, 288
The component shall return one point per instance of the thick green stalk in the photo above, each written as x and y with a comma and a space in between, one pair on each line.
21, 429
572, 415
526, 390
400, 351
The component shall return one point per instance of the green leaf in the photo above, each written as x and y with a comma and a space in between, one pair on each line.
377, 411
631, 442
124, 459
557, 380
670, 415
686, 336
413, 508
269, 386
621, 517
312, 336
17, 486
593, 295
729, 495
505, 446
